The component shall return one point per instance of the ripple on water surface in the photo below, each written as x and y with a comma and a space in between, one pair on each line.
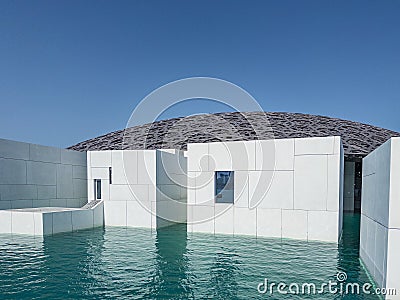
119, 263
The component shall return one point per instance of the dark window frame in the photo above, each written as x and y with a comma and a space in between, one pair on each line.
224, 181
97, 189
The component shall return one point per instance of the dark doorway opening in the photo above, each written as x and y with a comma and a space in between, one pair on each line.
352, 184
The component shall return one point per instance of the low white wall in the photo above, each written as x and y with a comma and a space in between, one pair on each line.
39, 176
144, 184
48, 221
380, 215
289, 188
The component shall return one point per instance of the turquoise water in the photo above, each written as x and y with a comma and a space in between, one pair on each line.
119, 263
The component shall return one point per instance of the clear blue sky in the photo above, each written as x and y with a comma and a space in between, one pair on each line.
72, 70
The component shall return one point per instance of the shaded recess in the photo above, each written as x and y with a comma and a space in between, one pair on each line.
358, 139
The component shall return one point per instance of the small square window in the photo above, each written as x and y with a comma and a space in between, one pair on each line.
224, 187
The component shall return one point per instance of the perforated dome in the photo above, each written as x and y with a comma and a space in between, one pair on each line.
358, 139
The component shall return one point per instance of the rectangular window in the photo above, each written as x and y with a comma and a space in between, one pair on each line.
224, 187
97, 189
110, 174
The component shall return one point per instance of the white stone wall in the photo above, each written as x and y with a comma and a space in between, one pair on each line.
48, 221
380, 215
130, 198
143, 183
289, 188
39, 176
171, 187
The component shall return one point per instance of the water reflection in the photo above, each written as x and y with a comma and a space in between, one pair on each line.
128, 263
224, 273
171, 278
71, 263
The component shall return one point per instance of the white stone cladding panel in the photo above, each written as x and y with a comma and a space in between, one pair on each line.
37, 176
294, 183
275, 155
311, 182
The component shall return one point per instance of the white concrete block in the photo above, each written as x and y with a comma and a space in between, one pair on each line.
47, 222
323, 226
100, 173
171, 211
147, 167
220, 157
76, 158
38, 221
294, 224
98, 215
381, 236
337, 148
311, 182
244, 155
41, 173
5, 204
169, 165
269, 189
129, 193
115, 213
100, 158
183, 194
191, 187
138, 215
44, 154
170, 191
40, 203
203, 219
152, 192
245, 221
153, 215
269, 223
197, 157
64, 182
241, 189
334, 174
45, 192
79, 188
62, 221
315, 145
394, 208
275, 154
224, 220
5, 221
14, 150
393, 257
18, 192
229, 156
58, 203
82, 219
91, 189
363, 231
205, 188
79, 172
124, 167
17, 204
73, 203
23, 222
12, 171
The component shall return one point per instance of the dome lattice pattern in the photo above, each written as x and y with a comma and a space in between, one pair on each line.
358, 139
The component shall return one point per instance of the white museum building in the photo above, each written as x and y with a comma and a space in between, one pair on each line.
293, 186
